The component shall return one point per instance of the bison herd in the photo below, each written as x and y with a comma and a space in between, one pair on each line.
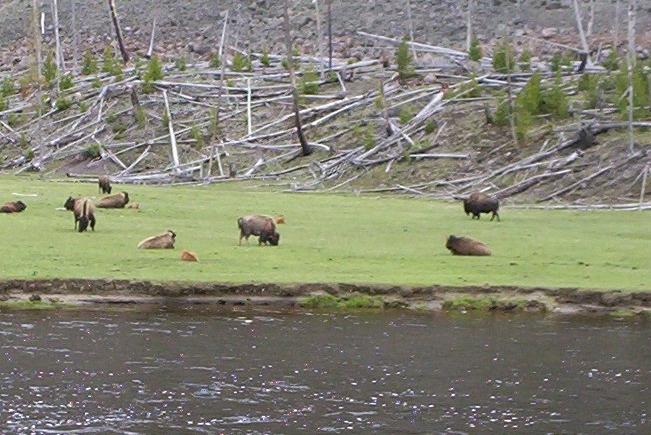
262, 226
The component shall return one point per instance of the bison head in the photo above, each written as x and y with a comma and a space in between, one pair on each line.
70, 203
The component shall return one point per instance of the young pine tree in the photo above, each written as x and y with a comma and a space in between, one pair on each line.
404, 61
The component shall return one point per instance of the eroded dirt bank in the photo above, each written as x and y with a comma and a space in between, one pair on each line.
67, 292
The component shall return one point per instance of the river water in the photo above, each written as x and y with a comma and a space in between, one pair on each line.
179, 370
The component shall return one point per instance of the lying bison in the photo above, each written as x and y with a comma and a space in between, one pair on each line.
13, 207
256, 225
478, 203
466, 246
119, 200
162, 241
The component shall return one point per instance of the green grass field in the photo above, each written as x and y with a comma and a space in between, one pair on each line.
326, 239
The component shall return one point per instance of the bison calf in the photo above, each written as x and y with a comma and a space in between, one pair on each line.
262, 226
466, 246
13, 207
478, 203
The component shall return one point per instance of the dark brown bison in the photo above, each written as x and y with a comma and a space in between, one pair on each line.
119, 200
104, 183
84, 212
262, 226
13, 207
466, 246
478, 203
162, 241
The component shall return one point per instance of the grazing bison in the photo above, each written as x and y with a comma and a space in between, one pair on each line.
478, 203
162, 241
119, 200
13, 207
466, 246
84, 212
262, 226
104, 184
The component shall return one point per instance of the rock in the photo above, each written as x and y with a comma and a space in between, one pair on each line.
133, 205
549, 32
189, 256
430, 79
196, 47
35, 298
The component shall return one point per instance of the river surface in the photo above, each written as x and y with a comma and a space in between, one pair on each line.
165, 370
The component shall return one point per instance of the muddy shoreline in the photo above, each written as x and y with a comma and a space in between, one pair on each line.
76, 292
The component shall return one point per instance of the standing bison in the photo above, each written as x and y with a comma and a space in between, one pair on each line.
262, 226
478, 203
104, 183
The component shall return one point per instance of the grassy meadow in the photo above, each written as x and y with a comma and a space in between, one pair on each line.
327, 238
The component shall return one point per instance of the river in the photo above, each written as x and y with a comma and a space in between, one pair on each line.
193, 370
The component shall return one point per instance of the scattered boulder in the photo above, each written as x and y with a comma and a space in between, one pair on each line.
549, 32
35, 298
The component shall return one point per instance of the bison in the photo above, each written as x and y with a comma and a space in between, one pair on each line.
262, 226
84, 212
466, 246
162, 241
478, 203
104, 183
119, 200
13, 207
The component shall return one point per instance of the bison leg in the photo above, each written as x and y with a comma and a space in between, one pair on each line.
495, 215
92, 222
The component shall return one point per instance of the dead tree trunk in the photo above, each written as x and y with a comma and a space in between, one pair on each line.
37, 42
630, 64
135, 102
305, 148
75, 36
469, 25
616, 36
579, 26
329, 34
591, 19
58, 55
118, 31
39, 60
411, 29
319, 39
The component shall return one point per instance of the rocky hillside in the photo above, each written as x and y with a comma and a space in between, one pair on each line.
192, 27
441, 130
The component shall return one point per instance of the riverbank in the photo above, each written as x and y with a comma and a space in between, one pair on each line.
327, 238
59, 293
